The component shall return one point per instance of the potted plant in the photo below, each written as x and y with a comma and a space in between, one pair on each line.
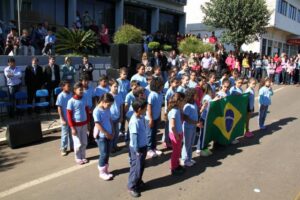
193, 45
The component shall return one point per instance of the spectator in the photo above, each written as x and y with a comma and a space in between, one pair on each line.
213, 39
68, 71
146, 62
33, 79
205, 39
78, 21
86, 68
104, 39
49, 44
206, 61
87, 20
12, 42
13, 77
51, 78
26, 43
156, 60
94, 27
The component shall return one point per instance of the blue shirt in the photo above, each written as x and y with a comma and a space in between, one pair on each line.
115, 109
168, 95
181, 73
182, 89
89, 95
265, 94
155, 100
123, 88
129, 100
62, 101
175, 114
235, 91
99, 91
191, 111
103, 118
222, 94
251, 97
213, 87
192, 84
147, 91
16, 76
141, 79
207, 99
137, 131
232, 81
77, 106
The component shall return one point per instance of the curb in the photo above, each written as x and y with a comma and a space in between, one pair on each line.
3, 141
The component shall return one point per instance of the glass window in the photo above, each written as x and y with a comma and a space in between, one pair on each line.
168, 23
282, 7
298, 18
138, 17
264, 46
269, 50
292, 12
285, 48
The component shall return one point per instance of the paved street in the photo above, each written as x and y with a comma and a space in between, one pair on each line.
268, 163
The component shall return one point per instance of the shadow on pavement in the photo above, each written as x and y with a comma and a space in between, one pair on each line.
9, 159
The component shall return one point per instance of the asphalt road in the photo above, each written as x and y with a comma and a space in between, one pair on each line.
266, 167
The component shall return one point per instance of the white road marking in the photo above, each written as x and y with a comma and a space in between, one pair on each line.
57, 174
44, 179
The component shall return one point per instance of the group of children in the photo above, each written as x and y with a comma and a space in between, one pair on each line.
185, 96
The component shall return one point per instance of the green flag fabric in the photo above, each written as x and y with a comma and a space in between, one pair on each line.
225, 120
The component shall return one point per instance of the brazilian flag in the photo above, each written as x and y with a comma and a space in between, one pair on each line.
226, 119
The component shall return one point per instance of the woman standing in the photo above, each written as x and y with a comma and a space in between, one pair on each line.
104, 39
68, 71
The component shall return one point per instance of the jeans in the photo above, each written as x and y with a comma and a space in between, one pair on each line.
245, 72
66, 137
283, 76
176, 150
277, 78
104, 146
137, 166
189, 134
80, 142
26, 48
258, 73
116, 133
11, 95
165, 137
151, 134
263, 110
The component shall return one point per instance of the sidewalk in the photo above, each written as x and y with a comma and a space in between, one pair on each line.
49, 122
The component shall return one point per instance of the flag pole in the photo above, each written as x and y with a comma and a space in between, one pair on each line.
19, 18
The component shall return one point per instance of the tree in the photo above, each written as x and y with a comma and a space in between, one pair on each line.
193, 45
243, 20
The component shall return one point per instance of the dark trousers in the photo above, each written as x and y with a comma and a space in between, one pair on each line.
152, 133
11, 95
104, 146
31, 95
50, 87
105, 48
258, 74
137, 166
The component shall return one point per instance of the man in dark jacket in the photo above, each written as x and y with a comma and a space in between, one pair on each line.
33, 79
86, 68
51, 78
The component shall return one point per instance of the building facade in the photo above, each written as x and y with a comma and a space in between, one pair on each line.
283, 31
150, 15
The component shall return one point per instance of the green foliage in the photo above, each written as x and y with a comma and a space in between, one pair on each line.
194, 45
167, 47
128, 34
243, 20
154, 45
76, 41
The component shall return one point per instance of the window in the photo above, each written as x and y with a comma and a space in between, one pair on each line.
168, 23
264, 46
282, 7
298, 18
269, 49
138, 17
292, 12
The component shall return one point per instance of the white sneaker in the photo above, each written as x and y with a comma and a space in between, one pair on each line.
198, 152
151, 154
235, 141
158, 152
181, 162
104, 176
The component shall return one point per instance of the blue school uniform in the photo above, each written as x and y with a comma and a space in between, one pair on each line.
170, 92
222, 94
89, 95
232, 81
77, 106
99, 91
141, 80
129, 100
235, 91
190, 110
62, 101
147, 91
166, 87
265, 94
115, 109
155, 100
213, 87
208, 99
192, 84
175, 114
137, 130
102, 117
251, 98
123, 88
182, 72
182, 89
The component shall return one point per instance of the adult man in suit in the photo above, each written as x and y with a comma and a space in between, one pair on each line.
51, 78
33, 79
86, 68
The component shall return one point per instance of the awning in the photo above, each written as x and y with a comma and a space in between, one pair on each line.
295, 41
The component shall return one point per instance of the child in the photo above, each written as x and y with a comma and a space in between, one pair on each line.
171, 91
196, 66
138, 147
193, 81
211, 82
234, 76
237, 89
153, 115
167, 83
224, 89
157, 71
190, 112
102, 87
271, 69
199, 90
78, 118
175, 106
208, 97
103, 133
184, 70
116, 111
147, 89
225, 74
265, 93
61, 103
140, 75
184, 84
251, 92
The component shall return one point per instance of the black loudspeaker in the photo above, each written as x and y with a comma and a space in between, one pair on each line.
23, 133
119, 55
